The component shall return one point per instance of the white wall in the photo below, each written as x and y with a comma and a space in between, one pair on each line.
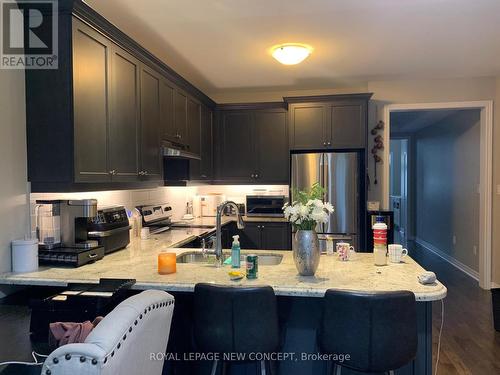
446, 185
177, 197
13, 196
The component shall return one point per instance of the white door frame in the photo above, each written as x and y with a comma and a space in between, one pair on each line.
486, 171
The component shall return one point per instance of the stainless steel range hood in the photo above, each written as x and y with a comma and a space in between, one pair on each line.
178, 151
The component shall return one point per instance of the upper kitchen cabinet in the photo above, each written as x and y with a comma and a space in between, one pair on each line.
91, 64
271, 139
124, 116
180, 116
202, 169
236, 148
97, 122
252, 143
328, 122
150, 125
194, 126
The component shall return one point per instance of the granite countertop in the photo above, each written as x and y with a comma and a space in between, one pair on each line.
139, 261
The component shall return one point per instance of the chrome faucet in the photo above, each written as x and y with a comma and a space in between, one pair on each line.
218, 240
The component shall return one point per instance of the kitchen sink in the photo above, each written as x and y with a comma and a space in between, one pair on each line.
267, 259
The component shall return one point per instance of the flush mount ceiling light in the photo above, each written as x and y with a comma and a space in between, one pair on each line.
291, 53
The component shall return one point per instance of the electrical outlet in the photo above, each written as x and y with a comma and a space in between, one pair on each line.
474, 249
454, 240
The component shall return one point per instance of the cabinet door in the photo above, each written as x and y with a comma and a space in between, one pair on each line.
150, 120
276, 236
251, 236
91, 55
167, 125
348, 125
207, 156
308, 126
193, 125
203, 169
180, 116
271, 143
237, 148
124, 116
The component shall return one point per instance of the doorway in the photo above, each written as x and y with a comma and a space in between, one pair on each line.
400, 194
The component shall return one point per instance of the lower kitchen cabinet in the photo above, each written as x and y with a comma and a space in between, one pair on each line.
266, 236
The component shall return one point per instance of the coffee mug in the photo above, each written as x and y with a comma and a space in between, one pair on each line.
397, 253
344, 250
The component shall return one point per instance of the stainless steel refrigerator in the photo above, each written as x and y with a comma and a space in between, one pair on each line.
338, 173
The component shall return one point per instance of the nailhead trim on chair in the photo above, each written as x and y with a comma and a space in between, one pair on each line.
94, 361
153, 306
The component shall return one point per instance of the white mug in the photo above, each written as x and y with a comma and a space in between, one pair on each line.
397, 253
344, 250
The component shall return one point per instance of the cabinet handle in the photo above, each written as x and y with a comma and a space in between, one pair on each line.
253, 176
145, 173
324, 143
262, 227
112, 172
256, 176
203, 176
329, 143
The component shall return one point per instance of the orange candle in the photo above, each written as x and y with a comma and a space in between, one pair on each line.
167, 263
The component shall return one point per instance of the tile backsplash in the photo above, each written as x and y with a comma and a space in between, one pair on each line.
177, 197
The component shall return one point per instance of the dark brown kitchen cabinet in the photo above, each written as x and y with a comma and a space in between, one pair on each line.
193, 125
266, 236
150, 125
236, 153
96, 122
91, 62
167, 124
124, 112
307, 126
203, 169
328, 122
252, 146
271, 139
180, 116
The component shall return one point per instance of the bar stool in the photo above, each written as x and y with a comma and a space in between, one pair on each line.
378, 330
236, 320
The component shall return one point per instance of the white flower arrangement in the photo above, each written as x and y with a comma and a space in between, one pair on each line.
308, 209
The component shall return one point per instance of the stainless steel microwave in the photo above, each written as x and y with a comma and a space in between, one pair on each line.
265, 205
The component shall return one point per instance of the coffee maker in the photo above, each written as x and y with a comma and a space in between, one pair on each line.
62, 232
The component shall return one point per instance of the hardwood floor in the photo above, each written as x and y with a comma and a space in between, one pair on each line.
469, 343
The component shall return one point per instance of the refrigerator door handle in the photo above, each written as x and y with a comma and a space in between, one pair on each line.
326, 182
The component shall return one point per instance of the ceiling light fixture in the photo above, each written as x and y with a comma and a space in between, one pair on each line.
291, 53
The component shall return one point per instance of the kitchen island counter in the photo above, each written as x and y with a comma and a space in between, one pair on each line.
139, 261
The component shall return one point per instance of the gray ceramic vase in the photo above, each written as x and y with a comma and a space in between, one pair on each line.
306, 252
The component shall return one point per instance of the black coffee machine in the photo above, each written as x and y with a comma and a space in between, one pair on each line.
62, 232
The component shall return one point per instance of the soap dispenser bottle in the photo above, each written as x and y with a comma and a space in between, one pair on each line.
235, 252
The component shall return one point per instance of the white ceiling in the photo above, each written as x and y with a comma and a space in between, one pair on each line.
408, 122
223, 44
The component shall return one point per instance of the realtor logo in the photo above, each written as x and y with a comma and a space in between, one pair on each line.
29, 34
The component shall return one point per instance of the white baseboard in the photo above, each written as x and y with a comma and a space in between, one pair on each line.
454, 262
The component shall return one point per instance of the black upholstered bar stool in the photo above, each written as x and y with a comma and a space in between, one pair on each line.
378, 330
236, 320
